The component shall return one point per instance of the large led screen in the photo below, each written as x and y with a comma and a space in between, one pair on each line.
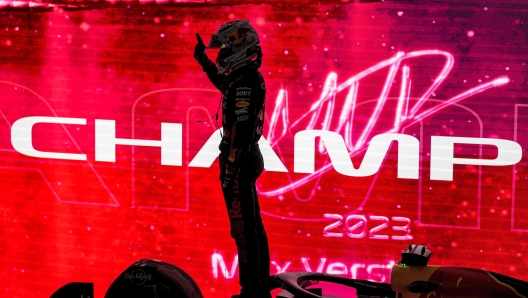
387, 123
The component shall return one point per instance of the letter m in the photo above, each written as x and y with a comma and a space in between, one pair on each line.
218, 263
408, 153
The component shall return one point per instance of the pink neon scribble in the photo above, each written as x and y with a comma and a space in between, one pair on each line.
404, 115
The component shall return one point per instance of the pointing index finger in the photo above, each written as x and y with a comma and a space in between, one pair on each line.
200, 41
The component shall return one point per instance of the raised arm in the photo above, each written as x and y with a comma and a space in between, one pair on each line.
208, 66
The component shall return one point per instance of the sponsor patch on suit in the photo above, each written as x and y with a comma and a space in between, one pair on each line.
242, 104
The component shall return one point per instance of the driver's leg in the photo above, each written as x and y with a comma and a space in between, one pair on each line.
244, 226
264, 254
263, 247
244, 231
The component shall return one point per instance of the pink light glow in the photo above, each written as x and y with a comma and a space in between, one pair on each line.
381, 102
403, 116
281, 108
404, 97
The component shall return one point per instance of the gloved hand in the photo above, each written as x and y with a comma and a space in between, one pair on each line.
199, 49
228, 176
232, 167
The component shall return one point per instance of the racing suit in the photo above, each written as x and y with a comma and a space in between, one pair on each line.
241, 163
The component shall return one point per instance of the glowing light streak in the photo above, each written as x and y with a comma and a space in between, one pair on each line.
481, 88
404, 97
379, 107
402, 118
92, 168
439, 79
281, 108
327, 95
348, 109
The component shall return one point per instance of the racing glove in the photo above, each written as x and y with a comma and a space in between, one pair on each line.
199, 49
233, 163
208, 66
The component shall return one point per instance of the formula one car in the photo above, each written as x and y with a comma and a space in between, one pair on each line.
410, 278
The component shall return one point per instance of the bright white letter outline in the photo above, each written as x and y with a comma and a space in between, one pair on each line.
408, 154
170, 143
443, 160
22, 137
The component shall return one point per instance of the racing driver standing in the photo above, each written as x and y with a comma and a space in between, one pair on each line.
236, 74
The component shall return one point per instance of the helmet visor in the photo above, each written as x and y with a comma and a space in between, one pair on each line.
215, 43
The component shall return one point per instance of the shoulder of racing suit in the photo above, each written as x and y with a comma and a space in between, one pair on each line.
247, 84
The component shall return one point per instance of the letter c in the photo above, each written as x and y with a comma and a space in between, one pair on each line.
22, 137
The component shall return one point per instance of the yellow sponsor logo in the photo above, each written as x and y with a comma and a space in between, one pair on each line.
231, 157
242, 104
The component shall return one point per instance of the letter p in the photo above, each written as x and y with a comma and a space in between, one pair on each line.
443, 160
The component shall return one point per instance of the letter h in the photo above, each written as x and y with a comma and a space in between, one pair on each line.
170, 143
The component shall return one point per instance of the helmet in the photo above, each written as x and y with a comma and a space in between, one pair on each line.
238, 43
415, 255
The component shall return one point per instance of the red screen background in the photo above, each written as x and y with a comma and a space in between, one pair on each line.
65, 220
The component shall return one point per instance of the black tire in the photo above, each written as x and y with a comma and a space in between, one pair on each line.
153, 279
